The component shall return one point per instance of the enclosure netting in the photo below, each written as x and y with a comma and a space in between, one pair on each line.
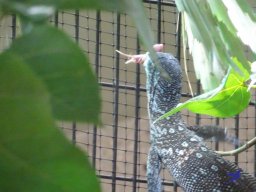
118, 148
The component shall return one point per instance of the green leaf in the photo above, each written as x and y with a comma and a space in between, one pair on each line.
133, 8
219, 10
227, 100
40, 10
65, 70
136, 11
247, 8
35, 156
235, 48
213, 55
243, 19
209, 60
109, 5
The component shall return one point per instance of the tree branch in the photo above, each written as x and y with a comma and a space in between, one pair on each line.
238, 150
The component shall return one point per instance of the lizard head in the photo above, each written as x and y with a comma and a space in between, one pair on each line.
163, 80
163, 83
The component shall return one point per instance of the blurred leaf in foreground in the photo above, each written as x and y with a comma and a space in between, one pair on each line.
62, 65
39, 10
35, 156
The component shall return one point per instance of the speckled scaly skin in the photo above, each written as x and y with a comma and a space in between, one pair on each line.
193, 165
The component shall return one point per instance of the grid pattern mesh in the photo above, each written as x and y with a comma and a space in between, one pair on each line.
118, 149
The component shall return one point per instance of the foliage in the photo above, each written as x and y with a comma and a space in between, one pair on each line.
44, 76
217, 33
34, 155
228, 99
213, 36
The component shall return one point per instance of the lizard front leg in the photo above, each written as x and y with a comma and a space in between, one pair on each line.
153, 171
214, 131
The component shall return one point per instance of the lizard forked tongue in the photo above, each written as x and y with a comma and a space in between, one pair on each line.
139, 59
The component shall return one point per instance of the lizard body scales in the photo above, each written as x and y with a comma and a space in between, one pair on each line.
193, 165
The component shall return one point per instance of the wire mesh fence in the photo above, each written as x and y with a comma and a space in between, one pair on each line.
118, 147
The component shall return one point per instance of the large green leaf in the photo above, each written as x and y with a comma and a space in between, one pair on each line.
213, 55
64, 68
244, 20
220, 11
40, 10
235, 50
227, 100
136, 11
247, 8
206, 52
34, 155
109, 5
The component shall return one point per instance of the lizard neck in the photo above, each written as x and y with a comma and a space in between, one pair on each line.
161, 103
163, 92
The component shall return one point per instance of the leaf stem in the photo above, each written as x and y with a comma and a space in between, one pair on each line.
184, 52
238, 150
